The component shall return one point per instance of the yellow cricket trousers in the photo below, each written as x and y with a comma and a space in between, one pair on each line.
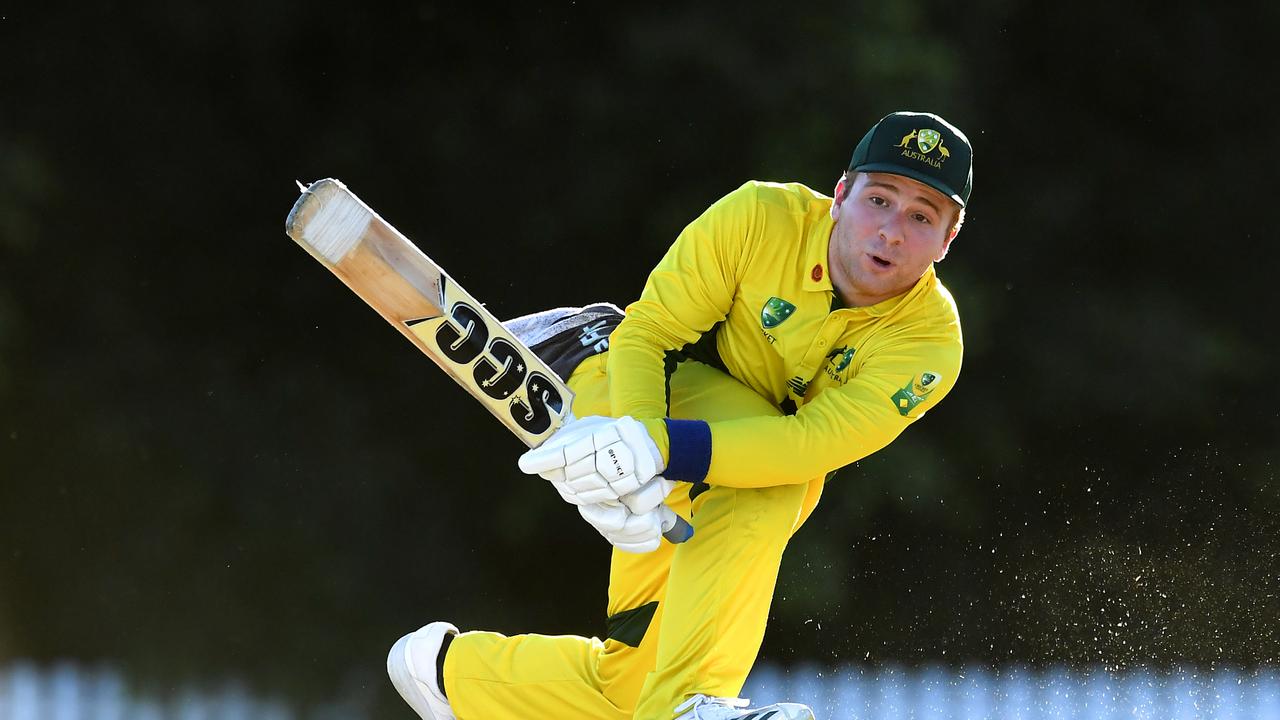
683, 619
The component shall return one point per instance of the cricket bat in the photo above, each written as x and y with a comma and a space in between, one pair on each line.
414, 294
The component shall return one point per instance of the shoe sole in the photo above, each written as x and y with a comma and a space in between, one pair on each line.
404, 681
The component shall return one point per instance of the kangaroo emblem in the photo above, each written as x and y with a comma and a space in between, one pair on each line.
906, 139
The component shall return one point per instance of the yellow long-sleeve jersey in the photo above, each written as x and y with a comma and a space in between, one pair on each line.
752, 271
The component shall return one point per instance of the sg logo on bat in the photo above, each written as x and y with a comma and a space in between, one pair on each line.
499, 368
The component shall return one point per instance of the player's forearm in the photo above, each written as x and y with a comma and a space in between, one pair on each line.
754, 452
839, 427
767, 451
637, 378
637, 366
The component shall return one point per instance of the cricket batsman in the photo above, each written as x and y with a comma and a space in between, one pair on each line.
784, 335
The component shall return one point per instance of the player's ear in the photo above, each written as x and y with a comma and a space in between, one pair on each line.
951, 233
837, 196
946, 244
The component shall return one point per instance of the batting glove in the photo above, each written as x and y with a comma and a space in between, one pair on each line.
625, 530
601, 460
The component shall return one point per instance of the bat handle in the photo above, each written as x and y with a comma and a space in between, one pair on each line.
675, 528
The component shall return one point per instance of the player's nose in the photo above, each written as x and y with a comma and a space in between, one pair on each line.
891, 230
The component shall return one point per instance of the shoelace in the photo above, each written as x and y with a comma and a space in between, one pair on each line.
697, 702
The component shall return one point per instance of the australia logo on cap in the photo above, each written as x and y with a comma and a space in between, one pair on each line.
928, 140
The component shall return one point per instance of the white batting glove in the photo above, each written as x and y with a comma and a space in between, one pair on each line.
572, 432
625, 530
601, 460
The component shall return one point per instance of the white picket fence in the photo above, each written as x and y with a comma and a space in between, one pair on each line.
1016, 694
69, 692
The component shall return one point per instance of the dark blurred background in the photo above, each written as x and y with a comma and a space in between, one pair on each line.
215, 460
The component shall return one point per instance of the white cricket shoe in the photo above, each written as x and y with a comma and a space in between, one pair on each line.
412, 667
704, 707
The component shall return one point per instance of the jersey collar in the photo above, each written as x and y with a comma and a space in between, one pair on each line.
817, 276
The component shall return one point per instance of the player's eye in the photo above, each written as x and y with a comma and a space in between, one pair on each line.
877, 200
921, 218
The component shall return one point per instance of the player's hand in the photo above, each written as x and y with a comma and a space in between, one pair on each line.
601, 460
628, 531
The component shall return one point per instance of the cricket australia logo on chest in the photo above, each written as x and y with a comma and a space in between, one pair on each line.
774, 313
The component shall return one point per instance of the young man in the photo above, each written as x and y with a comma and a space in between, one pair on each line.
784, 335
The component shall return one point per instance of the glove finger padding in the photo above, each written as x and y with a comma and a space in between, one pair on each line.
566, 495
642, 534
551, 454
596, 459
623, 529
594, 497
575, 493
605, 517
593, 487
556, 478
581, 452
648, 497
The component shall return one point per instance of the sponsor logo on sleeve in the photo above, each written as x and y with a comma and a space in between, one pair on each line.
916, 391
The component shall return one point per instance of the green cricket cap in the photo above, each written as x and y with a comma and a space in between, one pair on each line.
921, 146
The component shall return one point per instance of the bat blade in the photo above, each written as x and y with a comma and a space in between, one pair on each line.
415, 295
